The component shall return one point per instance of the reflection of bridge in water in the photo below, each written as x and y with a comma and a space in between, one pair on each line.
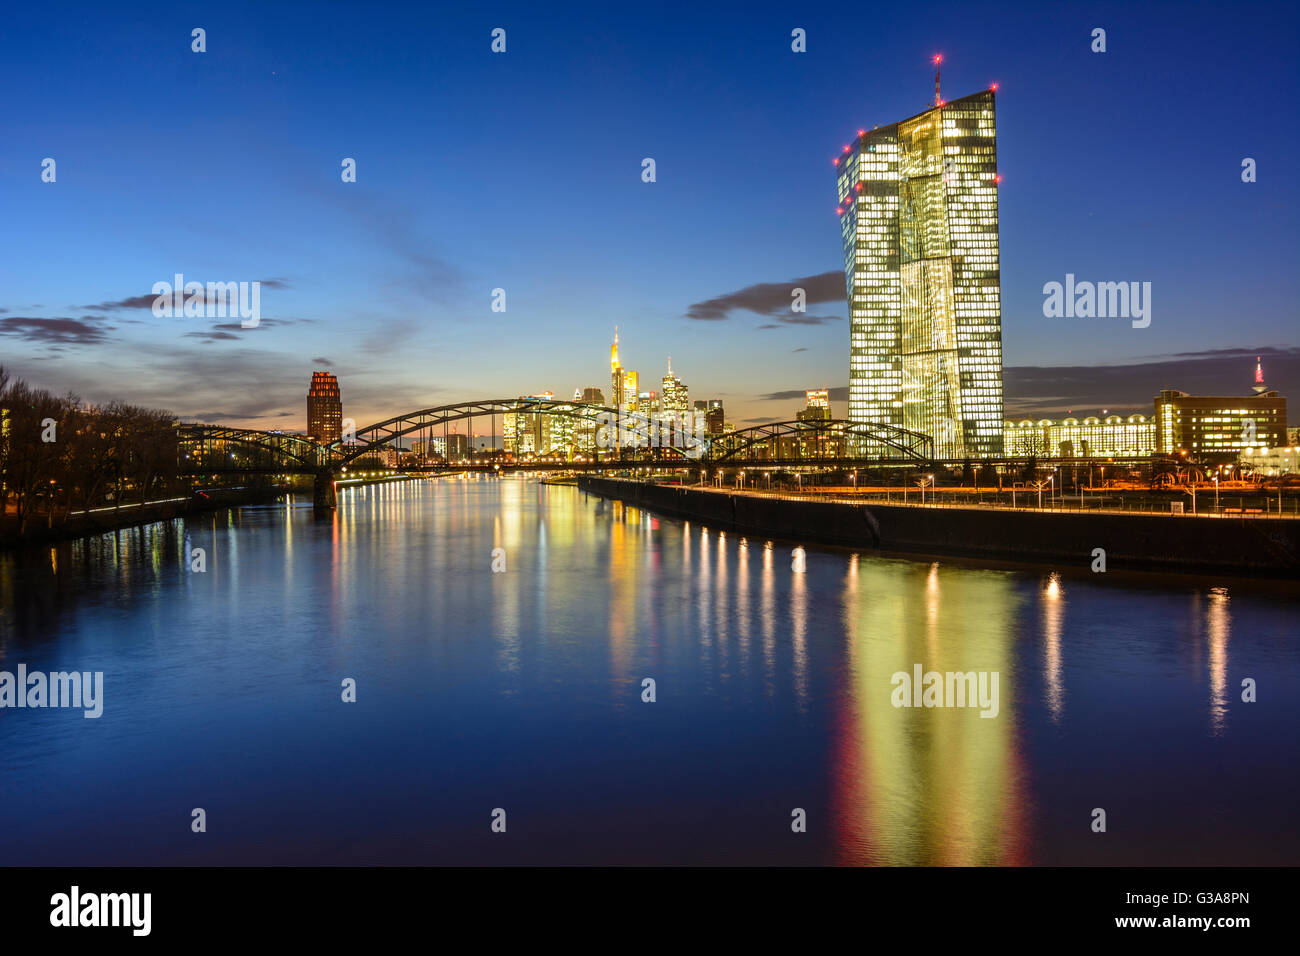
584, 437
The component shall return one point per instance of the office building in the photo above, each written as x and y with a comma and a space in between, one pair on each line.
1218, 427
817, 407
324, 408
1091, 437
674, 392
918, 209
1271, 462
714, 420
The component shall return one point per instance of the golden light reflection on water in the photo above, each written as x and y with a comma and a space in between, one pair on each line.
1053, 616
769, 621
927, 786
1218, 625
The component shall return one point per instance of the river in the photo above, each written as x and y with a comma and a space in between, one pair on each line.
517, 696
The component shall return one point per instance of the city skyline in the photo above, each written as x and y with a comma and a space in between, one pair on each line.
387, 281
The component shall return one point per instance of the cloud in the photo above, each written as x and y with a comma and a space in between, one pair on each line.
798, 350
134, 302
147, 301
211, 336
1042, 391
53, 331
773, 299
1056, 389
321, 361
839, 393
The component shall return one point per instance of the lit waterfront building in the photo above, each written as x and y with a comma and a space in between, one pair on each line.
536, 433
455, 446
918, 210
1219, 426
324, 408
1271, 462
1089, 437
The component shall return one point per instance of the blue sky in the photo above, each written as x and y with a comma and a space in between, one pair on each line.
522, 171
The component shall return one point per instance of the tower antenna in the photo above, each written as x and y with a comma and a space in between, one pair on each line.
938, 58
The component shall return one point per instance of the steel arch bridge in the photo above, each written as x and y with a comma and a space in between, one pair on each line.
829, 439
619, 428
207, 448
610, 437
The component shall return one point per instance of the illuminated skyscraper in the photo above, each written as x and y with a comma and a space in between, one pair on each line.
674, 392
324, 408
818, 407
918, 210
631, 389
615, 373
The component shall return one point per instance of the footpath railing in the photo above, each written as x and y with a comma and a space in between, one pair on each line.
1273, 508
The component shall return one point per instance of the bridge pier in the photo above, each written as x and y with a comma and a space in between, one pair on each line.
323, 497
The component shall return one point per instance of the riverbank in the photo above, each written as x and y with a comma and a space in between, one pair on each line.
82, 524
1261, 546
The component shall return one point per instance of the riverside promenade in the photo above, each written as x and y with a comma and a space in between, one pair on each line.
1258, 545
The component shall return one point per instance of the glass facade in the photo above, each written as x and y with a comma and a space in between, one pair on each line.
1221, 427
1088, 437
919, 222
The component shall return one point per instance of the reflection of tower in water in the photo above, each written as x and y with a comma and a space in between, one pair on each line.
926, 786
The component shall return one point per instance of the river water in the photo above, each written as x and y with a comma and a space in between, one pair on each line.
521, 690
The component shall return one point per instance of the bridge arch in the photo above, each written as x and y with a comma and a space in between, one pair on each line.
295, 452
643, 430
836, 439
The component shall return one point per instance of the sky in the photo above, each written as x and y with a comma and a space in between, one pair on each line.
522, 171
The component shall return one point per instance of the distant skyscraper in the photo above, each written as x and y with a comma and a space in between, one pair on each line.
918, 209
615, 373
674, 397
324, 408
591, 395
631, 384
714, 419
818, 407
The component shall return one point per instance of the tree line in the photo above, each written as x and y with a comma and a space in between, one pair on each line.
59, 455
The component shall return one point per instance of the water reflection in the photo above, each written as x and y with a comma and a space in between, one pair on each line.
774, 689
1217, 628
927, 785
1053, 604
